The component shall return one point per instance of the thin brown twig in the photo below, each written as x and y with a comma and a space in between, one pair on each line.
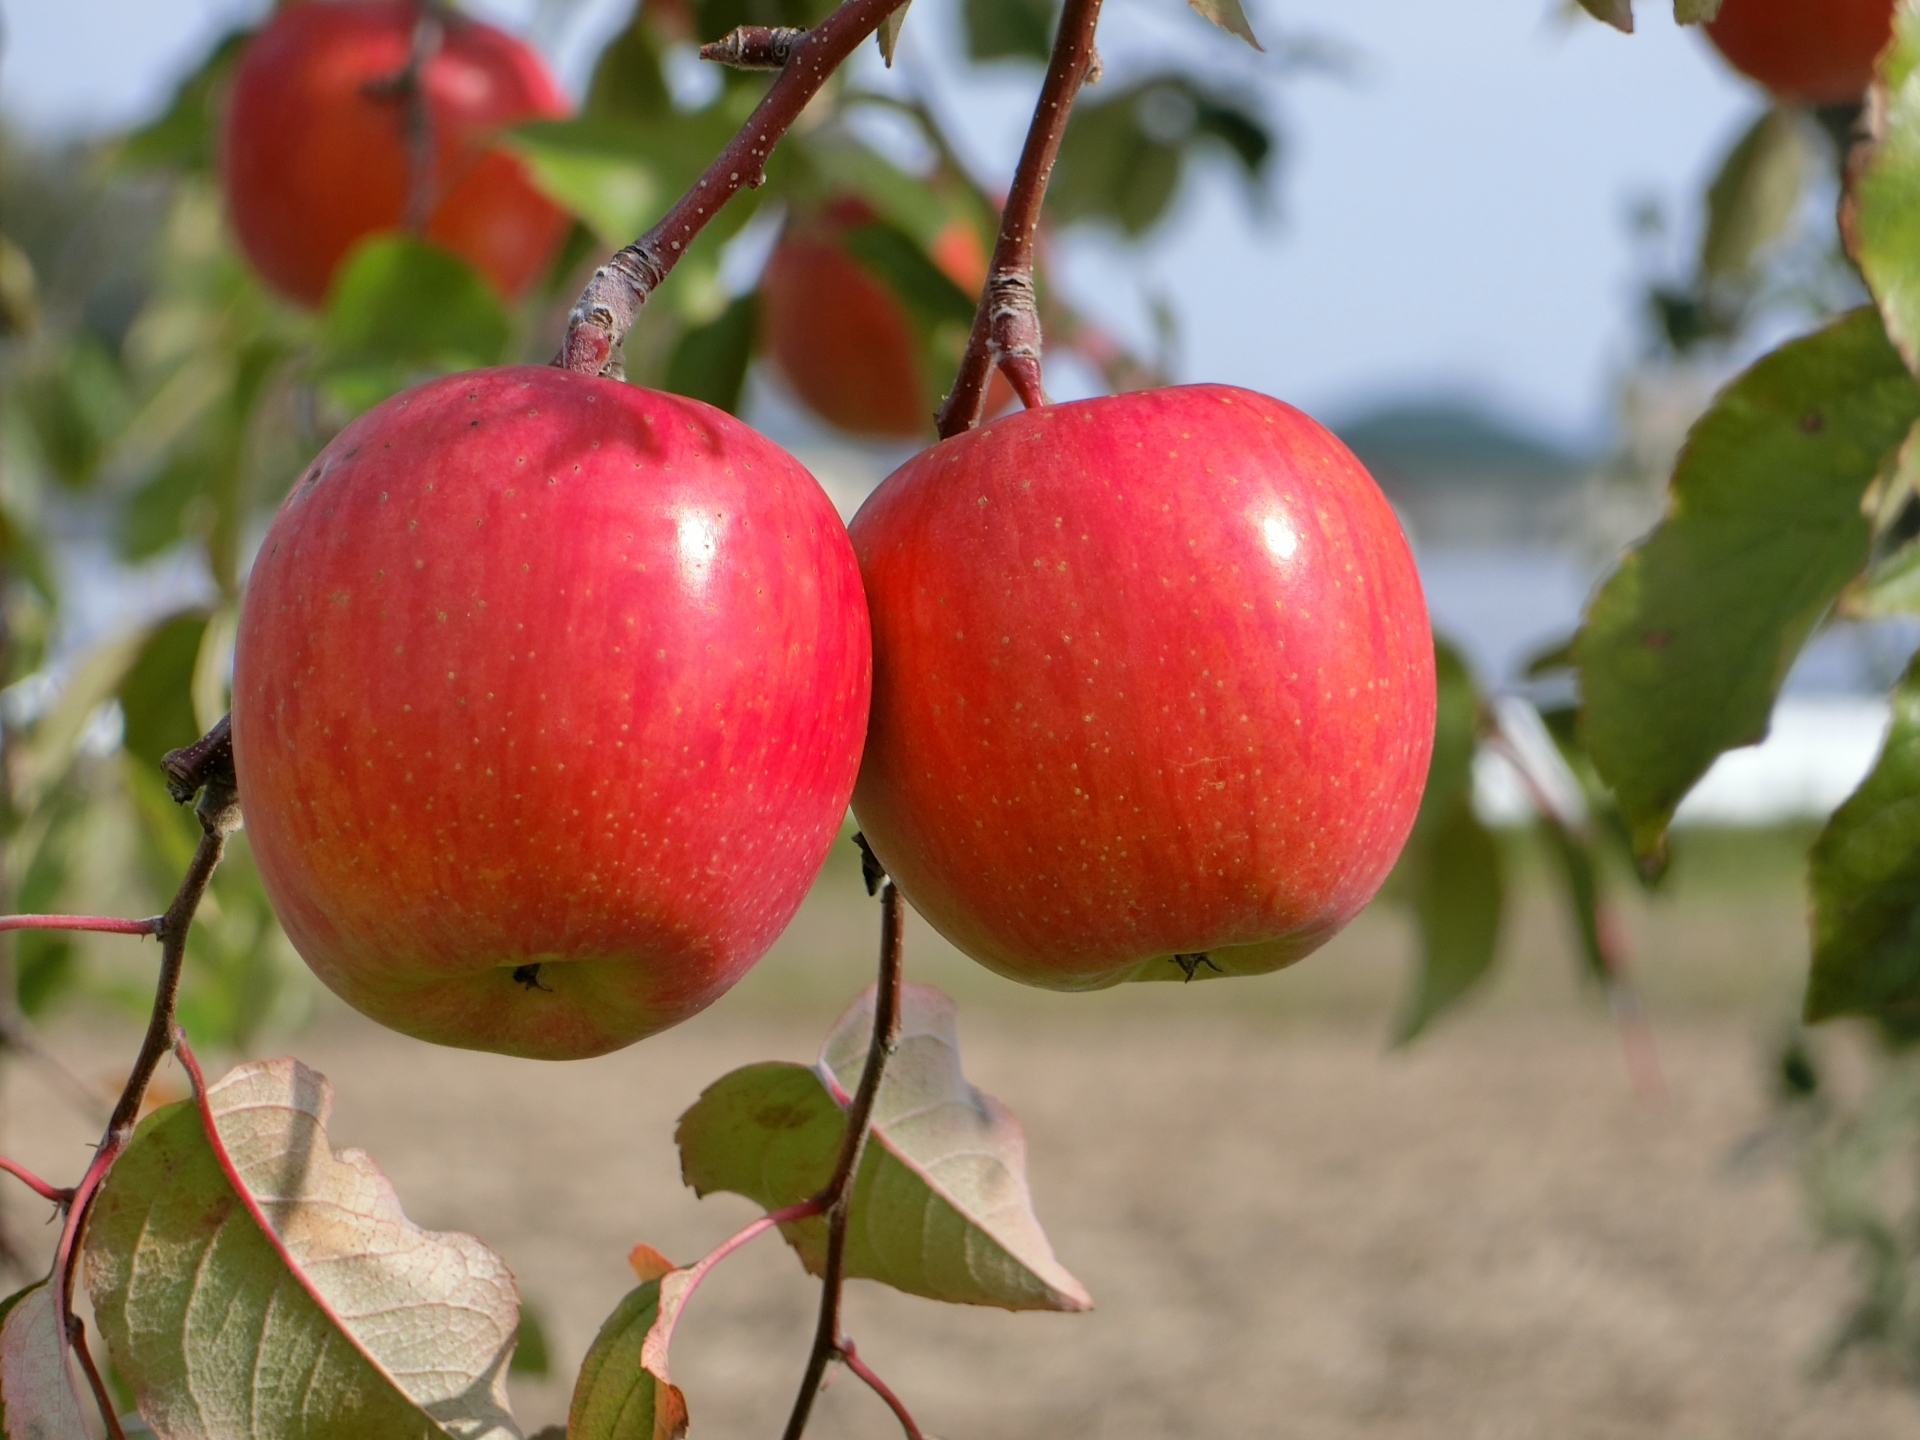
606, 309
837, 1194
851, 1358
77, 1337
1006, 324
218, 810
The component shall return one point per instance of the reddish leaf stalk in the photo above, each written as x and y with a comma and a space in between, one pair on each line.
106, 924
208, 764
1006, 325
836, 1197
1623, 998
879, 1387
697, 1271
606, 309
34, 1183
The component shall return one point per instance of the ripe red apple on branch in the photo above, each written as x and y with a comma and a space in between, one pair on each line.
841, 338
1818, 51
548, 697
318, 150
1153, 687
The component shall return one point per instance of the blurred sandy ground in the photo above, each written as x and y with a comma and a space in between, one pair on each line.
1289, 1231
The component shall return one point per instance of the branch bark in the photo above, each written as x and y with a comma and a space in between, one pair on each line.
210, 765
606, 309
837, 1195
1006, 325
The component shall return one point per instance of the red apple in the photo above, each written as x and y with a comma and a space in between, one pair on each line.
1820, 51
314, 150
1153, 687
548, 697
842, 339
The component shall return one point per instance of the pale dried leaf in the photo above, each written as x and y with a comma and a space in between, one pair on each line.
267, 1285
888, 35
37, 1400
1229, 16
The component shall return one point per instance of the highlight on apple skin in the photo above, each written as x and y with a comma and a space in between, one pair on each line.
549, 693
1153, 687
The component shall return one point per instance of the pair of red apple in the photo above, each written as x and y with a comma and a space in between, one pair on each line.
550, 693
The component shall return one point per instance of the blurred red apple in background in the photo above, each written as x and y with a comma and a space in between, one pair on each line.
842, 339
315, 154
1153, 687
548, 697
1820, 51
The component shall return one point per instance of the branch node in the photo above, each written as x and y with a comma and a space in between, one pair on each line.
755, 47
193, 766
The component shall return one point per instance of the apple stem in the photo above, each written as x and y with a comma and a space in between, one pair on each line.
416, 120
836, 1196
55, 1193
851, 1359
606, 308
1006, 324
105, 924
208, 762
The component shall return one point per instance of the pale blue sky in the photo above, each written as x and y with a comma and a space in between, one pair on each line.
1451, 215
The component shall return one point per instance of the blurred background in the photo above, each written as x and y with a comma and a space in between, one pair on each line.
1508, 255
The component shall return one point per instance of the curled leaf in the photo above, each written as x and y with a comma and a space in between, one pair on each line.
252, 1281
940, 1204
616, 1396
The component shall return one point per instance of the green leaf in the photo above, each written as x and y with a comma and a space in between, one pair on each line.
628, 83
1865, 877
615, 1398
156, 693
710, 361
251, 1281
1755, 194
1881, 214
1450, 871
37, 1400
894, 256
401, 307
75, 407
181, 137
1686, 644
1229, 16
599, 169
940, 1205
1695, 12
1574, 858
1617, 13
1123, 154
1009, 29
1458, 897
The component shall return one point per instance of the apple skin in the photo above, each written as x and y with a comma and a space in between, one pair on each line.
535, 668
1818, 51
1152, 678
312, 163
842, 339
